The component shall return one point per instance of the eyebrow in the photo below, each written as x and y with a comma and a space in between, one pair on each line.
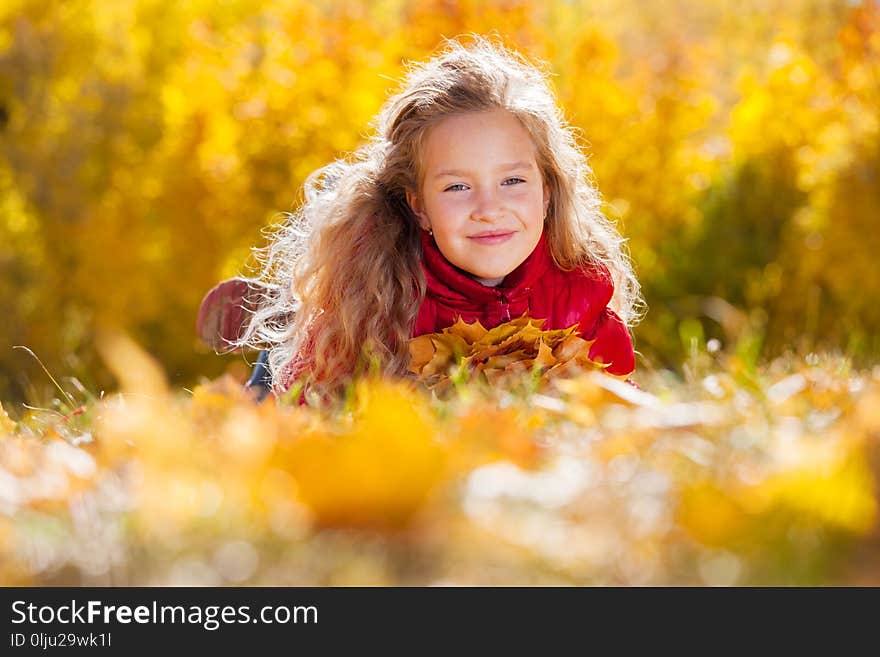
522, 164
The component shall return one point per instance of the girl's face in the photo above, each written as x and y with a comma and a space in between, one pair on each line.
482, 193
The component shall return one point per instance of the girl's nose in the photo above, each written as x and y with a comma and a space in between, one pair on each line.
487, 206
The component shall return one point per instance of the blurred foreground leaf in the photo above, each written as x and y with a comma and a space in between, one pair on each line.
579, 479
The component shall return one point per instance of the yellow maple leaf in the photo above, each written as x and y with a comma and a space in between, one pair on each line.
572, 347
503, 360
421, 351
544, 357
448, 348
470, 332
497, 335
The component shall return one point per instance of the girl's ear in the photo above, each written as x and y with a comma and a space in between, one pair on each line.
546, 199
415, 205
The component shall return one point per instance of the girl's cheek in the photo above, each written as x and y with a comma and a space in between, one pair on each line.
525, 193
451, 203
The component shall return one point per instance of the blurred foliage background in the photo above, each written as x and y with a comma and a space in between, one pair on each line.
144, 144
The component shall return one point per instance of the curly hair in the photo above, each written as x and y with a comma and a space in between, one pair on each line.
345, 268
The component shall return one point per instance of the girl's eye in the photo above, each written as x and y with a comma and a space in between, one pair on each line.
461, 186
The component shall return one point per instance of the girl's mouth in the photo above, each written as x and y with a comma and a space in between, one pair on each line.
491, 237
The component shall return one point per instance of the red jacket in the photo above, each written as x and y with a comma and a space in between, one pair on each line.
537, 287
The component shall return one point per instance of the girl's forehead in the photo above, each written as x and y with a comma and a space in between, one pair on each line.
479, 137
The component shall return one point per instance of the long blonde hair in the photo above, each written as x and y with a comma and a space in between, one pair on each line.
346, 266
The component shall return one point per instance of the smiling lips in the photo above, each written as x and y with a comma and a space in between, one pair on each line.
491, 237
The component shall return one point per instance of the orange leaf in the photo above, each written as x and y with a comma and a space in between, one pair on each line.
421, 351
572, 347
470, 332
545, 356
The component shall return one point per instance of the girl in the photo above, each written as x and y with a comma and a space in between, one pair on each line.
472, 199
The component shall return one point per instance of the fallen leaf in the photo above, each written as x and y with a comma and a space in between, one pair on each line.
421, 351
470, 332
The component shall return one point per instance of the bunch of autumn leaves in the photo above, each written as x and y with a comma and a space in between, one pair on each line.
519, 347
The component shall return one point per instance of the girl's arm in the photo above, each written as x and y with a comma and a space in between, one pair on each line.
612, 343
260, 383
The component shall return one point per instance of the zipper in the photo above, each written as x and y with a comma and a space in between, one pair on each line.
504, 305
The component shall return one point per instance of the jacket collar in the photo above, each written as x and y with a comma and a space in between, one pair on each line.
449, 283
